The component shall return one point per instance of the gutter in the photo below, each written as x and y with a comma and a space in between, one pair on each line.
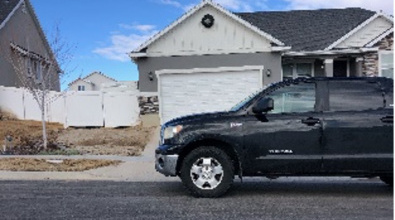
332, 52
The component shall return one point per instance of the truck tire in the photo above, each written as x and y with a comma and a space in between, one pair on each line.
388, 180
207, 172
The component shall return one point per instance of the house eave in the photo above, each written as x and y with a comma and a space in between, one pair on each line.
135, 56
281, 48
379, 38
331, 52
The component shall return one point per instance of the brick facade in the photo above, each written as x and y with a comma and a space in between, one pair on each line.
371, 60
148, 105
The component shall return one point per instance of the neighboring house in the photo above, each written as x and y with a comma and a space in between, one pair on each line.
92, 82
210, 58
21, 35
120, 86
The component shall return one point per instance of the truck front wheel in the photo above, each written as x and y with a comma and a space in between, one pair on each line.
207, 172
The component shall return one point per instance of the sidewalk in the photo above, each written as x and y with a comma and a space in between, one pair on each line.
133, 169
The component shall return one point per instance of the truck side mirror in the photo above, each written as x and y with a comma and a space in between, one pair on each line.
263, 105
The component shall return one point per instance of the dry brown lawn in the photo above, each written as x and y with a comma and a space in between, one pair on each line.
27, 138
24, 132
107, 141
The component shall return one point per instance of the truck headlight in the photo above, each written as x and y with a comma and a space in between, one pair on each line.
171, 131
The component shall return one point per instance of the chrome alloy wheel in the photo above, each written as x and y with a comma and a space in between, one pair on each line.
207, 173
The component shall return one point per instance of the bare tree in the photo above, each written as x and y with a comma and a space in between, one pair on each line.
41, 73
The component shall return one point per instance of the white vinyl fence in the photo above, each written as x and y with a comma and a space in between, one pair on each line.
75, 109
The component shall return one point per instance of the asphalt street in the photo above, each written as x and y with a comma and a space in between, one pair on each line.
258, 198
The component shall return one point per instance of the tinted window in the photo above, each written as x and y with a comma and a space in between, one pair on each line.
354, 95
294, 98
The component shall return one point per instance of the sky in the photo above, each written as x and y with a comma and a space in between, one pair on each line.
102, 32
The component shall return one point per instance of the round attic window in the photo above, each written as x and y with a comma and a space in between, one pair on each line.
208, 21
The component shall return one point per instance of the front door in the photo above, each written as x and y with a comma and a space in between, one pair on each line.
287, 139
340, 68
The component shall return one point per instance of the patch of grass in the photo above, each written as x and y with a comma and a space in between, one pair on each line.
67, 152
109, 150
67, 165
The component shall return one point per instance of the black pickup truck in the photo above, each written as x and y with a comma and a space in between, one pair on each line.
300, 127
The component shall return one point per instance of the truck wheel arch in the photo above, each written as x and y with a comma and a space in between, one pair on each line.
226, 147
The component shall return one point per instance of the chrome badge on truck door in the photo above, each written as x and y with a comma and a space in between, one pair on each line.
282, 151
235, 124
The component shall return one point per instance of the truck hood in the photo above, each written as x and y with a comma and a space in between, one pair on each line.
198, 117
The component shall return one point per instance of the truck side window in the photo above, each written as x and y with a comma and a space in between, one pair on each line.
294, 98
358, 95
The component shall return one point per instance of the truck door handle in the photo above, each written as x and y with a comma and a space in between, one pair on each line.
387, 119
310, 121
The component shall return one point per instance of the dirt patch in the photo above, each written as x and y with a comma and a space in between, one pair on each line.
27, 139
105, 141
68, 165
26, 136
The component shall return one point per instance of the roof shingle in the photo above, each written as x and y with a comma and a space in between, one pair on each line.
308, 30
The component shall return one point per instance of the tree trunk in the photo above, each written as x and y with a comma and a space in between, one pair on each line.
43, 120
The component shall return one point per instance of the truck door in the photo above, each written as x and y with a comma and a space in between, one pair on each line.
286, 139
358, 129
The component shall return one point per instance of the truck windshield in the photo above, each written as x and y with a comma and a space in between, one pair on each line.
243, 102
239, 105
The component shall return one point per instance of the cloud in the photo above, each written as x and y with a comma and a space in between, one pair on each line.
382, 5
141, 28
177, 4
172, 3
235, 5
122, 44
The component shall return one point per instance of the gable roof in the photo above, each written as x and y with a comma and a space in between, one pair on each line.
255, 29
309, 30
85, 79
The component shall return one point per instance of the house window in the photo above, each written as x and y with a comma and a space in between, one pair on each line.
37, 70
304, 70
287, 71
34, 70
81, 88
295, 70
386, 64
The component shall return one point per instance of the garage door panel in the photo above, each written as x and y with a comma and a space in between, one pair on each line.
190, 93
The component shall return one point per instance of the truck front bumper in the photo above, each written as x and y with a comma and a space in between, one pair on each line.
166, 164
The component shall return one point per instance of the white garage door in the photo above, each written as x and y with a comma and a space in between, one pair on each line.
185, 92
